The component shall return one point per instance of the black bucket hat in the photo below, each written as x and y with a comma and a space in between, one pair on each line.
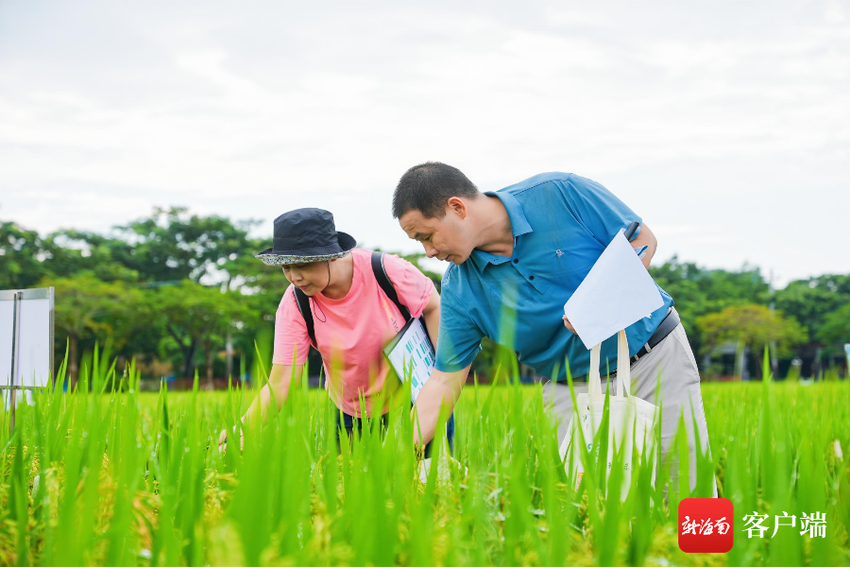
306, 235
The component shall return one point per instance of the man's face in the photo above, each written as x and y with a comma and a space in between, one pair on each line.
443, 238
310, 277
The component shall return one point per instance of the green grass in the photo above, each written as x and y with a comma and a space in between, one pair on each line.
123, 478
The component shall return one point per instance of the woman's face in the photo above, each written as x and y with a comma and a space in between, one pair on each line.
310, 277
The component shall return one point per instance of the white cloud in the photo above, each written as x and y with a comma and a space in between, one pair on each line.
247, 112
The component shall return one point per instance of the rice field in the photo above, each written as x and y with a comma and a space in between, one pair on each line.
112, 476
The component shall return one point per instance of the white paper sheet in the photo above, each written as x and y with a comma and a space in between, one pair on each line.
617, 292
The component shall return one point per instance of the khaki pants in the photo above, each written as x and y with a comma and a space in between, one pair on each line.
680, 391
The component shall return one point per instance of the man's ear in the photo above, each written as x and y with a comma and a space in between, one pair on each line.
458, 206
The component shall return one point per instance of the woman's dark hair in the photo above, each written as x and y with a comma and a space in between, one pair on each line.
427, 187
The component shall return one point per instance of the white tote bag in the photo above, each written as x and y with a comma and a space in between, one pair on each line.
631, 419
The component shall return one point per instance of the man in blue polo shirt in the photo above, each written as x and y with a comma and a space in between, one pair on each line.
517, 255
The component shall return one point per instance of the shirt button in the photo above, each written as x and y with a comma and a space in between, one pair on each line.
531, 277
516, 261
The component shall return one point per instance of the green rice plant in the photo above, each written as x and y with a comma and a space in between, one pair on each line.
107, 475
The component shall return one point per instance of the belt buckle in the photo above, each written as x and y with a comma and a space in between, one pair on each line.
646, 351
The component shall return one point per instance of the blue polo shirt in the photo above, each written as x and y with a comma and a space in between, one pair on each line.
561, 223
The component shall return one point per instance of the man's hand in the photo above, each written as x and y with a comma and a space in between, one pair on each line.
567, 324
441, 388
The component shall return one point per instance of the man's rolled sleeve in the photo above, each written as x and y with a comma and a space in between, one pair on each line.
599, 210
460, 337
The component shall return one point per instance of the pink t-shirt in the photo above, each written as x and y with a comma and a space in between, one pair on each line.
351, 332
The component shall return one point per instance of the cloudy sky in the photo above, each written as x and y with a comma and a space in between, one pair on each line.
726, 125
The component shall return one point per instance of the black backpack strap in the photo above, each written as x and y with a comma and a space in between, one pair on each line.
307, 313
386, 285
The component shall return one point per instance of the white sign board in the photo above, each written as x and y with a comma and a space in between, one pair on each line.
617, 292
34, 355
7, 326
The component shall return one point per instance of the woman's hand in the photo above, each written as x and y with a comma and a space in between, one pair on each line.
222, 440
280, 378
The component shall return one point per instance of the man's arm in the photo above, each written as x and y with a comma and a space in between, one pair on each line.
441, 388
646, 237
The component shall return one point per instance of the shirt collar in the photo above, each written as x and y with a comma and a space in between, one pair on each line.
519, 226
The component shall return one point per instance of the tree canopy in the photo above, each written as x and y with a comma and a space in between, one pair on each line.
174, 288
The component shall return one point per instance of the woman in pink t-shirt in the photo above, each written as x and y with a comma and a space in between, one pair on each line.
352, 317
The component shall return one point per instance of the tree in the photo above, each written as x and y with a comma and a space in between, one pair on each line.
21, 253
172, 246
835, 330
697, 291
262, 286
812, 302
87, 306
197, 316
751, 326
69, 252
133, 285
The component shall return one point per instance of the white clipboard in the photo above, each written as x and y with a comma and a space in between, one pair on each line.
412, 356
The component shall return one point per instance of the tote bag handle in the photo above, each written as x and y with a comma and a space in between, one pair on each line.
624, 371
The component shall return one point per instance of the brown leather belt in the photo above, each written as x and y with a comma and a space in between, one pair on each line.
667, 325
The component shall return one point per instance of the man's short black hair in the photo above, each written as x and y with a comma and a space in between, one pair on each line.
428, 186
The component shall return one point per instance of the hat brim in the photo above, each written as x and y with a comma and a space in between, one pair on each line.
346, 242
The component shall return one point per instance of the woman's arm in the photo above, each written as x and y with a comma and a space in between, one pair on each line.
431, 314
279, 383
